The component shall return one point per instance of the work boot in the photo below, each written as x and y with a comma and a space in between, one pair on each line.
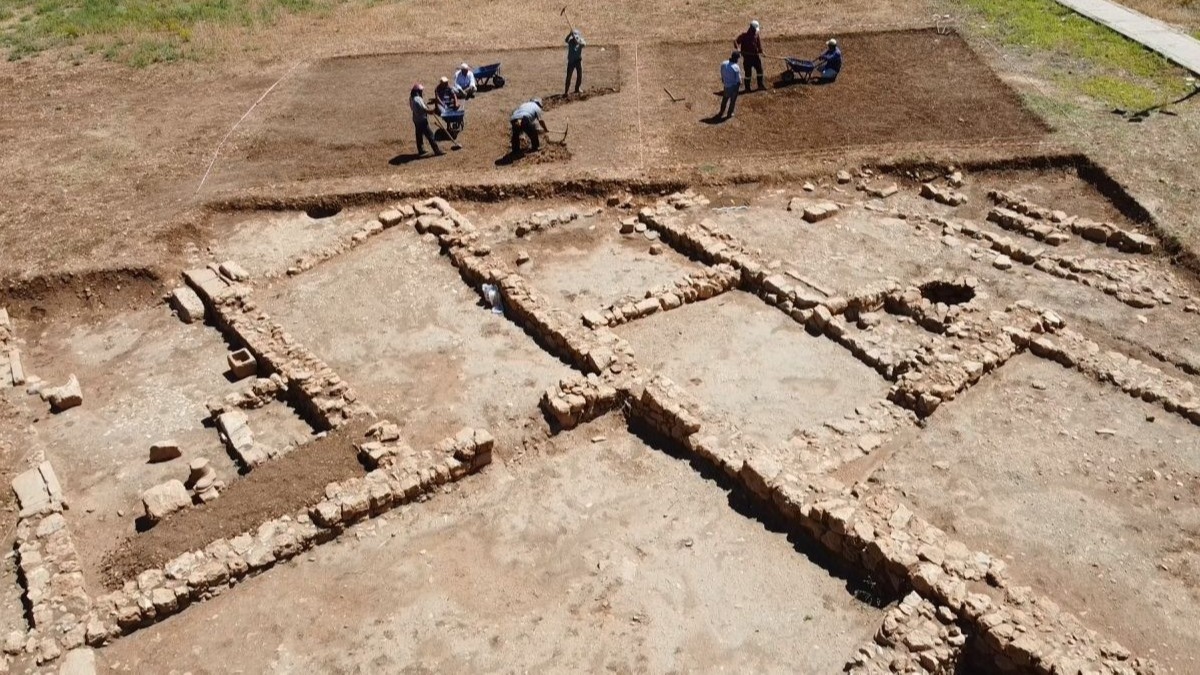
760, 83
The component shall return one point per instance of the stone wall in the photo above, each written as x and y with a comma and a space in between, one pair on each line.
1130, 375
1034, 218
319, 394
916, 636
692, 287
197, 575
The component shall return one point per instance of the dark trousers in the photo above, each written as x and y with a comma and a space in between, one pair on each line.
752, 62
424, 133
528, 128
729, 96
575, 67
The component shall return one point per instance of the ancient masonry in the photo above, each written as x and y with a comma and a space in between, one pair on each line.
963, 597
959, 609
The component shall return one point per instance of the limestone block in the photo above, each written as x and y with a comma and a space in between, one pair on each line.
233, 426
32, 494
390, 217
162, 500
15, 367
165, 451
187, 304
819, 212
51, 481
242, 364
207, 283
233, 271
65, 397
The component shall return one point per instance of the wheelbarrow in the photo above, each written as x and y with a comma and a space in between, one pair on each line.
798, 69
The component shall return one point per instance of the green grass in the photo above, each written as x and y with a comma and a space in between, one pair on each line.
1116, 71
136, 32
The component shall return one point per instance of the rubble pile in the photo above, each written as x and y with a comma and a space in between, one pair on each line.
942, 195
581, 398
541, 220
916, 637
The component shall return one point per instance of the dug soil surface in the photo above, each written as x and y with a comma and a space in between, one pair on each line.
591, 553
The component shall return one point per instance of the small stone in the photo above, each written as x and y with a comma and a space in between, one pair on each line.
1040, 386
165, 451
599, 439
234, 271
843, 177
656, 249
1002, 262
522, 257
1106, 432
942, 466
162, 500
809, 187
65, 397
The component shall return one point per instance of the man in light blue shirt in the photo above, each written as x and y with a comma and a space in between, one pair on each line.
525, 120
731, 78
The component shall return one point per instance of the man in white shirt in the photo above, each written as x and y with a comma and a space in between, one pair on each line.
731, 77
464, 82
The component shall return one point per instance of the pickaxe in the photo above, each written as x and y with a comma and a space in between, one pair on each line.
565, 16
563, 140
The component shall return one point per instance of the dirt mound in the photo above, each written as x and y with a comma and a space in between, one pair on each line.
278, 487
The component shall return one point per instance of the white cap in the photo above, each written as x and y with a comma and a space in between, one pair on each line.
445, 80
537, 102
831, 43
754, 24
464, 67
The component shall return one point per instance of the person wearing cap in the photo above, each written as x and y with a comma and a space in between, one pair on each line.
575, 46
829, 64
420, 117
445, 96
731, 79
464, 82
750, 46
525, 120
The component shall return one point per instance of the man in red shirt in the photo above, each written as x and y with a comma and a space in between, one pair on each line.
750, 45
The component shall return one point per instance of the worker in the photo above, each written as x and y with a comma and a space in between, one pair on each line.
731, 79
445, 96
464, 82
829, 64
523, 122
420, 116
750, 46
575, 46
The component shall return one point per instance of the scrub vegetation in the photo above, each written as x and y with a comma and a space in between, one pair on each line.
1111, 68
135, 32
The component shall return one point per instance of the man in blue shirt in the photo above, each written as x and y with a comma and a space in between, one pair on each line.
731, 77
829, 64
523, 122
575, 46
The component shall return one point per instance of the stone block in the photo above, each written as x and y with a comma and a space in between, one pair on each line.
231, 270
242, 364
390, 217
162, 500
187, 304
65, 397
207, 283
32, 494
165, 451
53, 487
16, 369
818, 212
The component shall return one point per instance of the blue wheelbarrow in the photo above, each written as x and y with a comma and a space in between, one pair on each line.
798, 69
489, 75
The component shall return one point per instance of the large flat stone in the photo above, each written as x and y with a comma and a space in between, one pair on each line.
187, 305
31, 491
162, 500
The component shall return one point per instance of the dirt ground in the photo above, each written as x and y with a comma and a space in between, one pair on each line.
522, 568
1108, 525
425, 353
349, 116
753, 365
893, 89
589, 549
